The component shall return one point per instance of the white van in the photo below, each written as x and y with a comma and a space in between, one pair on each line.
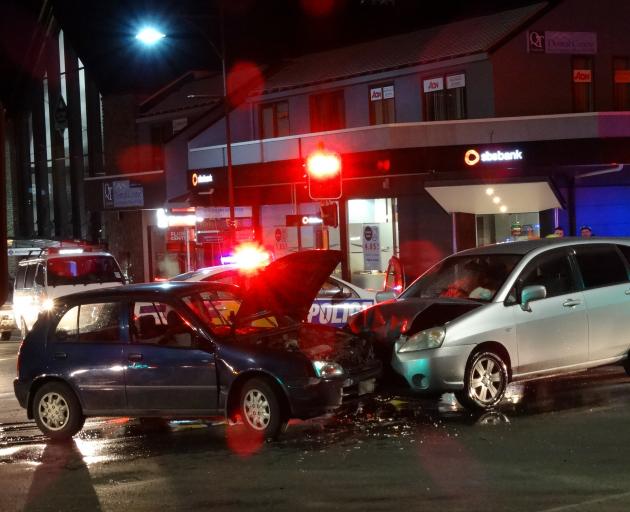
56, 272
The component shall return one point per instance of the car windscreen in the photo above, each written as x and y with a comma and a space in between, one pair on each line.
218, 309
82, 269
477, 277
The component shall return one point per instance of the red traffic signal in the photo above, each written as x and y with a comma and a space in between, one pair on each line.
323, 170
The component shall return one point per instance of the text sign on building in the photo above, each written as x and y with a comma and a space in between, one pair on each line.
376, 94
550, 41
371, 248
388, 92
575, 43
473, 156
122, 194
582, 76
535, 42
200, 179
622, 76
433, 84
455, 81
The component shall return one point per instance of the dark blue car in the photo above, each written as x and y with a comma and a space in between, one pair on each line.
194, 350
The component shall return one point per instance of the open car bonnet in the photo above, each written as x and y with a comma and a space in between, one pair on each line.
288, 285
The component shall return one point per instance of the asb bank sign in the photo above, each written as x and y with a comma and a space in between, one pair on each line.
473, 156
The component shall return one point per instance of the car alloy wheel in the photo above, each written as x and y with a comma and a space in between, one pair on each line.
261, 410
53, 411
57, 411
485, 381
256, 409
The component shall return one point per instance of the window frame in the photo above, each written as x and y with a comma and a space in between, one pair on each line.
604, 245
574, 85
616, 90
337, 93
122, 337
274, 107
444, 96
517, 286
383, 102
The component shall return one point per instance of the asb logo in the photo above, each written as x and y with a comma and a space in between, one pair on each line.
200, 179
471, 157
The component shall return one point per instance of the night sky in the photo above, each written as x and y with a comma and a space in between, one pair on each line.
266, 32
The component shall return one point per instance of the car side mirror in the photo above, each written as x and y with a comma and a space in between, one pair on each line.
383, 296
531, 293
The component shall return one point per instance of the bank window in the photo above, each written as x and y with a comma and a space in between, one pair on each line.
382, 107
274, 119
327, 111
445, 97
621, 78
600, 266
583, 84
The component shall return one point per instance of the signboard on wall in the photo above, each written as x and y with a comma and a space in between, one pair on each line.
371, 248
574, 43
122, 194
433, 84
582, 76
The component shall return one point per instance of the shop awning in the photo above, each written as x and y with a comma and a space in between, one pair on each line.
490, 198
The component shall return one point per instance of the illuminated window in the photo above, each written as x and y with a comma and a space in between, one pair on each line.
445, 97
382, 107
583, 84
327, 111
274, 120
621, 78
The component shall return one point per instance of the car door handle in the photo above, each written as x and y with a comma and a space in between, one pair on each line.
571, 303
135, 357
627, 292
61, 355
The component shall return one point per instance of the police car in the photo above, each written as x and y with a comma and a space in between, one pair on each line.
336, 301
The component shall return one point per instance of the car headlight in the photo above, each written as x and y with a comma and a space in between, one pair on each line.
47, 305
423, 340
327, 368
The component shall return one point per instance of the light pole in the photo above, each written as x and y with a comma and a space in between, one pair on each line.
150, 36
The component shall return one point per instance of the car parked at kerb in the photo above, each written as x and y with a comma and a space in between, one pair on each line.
181, 350
507, 312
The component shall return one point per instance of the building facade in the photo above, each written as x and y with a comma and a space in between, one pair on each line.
483, 130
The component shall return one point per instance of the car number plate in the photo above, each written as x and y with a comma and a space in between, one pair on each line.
367, 386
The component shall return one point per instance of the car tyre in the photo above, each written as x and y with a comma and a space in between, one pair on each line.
485, 381
5, 336
260, 409
57, 411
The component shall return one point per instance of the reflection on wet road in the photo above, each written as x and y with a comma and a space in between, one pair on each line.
386, 416
551, 447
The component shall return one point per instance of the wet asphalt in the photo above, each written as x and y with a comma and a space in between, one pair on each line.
561, 445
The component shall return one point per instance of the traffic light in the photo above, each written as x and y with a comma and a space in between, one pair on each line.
323, 170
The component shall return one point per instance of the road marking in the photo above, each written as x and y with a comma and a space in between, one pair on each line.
562, 508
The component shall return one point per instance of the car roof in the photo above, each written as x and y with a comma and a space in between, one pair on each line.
147, 289
46, 257
528, 246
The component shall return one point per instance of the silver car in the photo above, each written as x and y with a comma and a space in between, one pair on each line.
507, 312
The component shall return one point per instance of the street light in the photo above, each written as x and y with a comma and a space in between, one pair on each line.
150, 36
